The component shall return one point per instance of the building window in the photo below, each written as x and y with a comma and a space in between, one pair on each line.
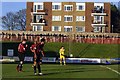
99, 19
68, 28
56, 28
80, 6
68, 7
68, 18
56, 18
97, 29
34, 28
34, 9
37, 6
80, 29
38, 17
37, 28
98, 7
80, 18
56, 6
40, 7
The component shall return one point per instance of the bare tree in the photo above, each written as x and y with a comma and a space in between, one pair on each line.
9, 21
14, 21
21, 19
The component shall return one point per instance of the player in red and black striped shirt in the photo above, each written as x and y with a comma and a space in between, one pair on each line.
21, 54
37, 49
33, 50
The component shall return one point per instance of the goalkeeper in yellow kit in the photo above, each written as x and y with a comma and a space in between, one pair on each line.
62, 55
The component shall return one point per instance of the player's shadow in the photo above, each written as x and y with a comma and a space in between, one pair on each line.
74, 71
71, 70
64, 71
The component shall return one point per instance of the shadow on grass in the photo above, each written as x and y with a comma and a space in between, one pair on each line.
70, 71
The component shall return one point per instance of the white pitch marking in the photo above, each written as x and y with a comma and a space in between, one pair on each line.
111, 69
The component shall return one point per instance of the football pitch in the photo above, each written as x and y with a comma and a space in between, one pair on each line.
57, 71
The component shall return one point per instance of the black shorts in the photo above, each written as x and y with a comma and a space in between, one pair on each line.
38, 59
21, 56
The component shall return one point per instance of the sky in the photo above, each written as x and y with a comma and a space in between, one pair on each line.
14, 6
63, 0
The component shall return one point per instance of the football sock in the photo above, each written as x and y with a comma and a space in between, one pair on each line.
34, 69
39, 68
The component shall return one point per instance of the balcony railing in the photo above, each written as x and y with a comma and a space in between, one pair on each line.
39, 22
44, 12
98, 11
98, 23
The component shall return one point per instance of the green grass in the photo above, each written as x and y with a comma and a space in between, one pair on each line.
85, 50
77, 49
57, 71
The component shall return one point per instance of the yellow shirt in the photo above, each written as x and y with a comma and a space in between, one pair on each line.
62, 52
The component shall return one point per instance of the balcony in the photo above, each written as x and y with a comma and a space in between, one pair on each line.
99, 23
41, 22
98, 12
41, 12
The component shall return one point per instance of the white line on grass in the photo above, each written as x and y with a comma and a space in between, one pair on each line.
111, 69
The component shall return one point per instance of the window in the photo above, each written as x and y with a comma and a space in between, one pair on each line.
80, 6
40, 7
37, 28
67, 28
34, 9
34, 28
68, 18
80, 29
98, 19
56, 18
56, 6
97, 29
98, 7
68, 7
56, 28
80, 18
38, 17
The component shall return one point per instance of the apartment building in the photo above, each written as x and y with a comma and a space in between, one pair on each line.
68, 17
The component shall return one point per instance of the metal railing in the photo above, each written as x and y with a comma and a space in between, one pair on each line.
100, 10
